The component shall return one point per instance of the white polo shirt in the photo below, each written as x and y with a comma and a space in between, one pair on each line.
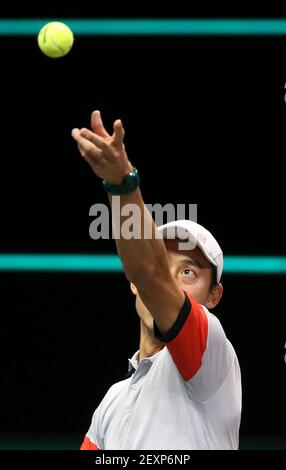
187, 396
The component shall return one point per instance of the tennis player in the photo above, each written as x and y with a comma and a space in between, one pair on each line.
184, 385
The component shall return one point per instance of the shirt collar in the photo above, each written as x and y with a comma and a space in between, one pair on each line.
134, 361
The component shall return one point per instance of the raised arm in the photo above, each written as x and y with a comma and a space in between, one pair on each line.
145, 260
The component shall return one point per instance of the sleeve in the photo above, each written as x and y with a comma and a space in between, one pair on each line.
93, 439
88, 445
199, 348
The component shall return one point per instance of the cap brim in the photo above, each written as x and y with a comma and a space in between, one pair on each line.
171, 227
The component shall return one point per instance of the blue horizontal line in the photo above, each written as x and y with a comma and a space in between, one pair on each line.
112, 263
255, 264
43, 262
151, 27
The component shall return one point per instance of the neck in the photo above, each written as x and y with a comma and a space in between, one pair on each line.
148, 344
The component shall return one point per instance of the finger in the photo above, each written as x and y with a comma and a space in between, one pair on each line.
87, 148
75, 132
81, 151
118, 134
100, 142
97, 125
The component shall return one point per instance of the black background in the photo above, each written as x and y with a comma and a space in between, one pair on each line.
205, 124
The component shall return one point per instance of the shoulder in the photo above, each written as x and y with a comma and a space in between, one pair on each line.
115, 389
109, 401
215, 328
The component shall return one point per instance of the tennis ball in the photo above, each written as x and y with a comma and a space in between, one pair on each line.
55, 39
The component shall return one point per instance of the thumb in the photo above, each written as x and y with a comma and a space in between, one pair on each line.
119, 132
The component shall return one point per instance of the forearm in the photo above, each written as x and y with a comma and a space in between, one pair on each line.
142, 252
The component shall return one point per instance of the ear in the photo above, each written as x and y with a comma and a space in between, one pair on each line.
215, 296
133, 288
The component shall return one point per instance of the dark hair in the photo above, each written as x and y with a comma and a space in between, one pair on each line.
214, 282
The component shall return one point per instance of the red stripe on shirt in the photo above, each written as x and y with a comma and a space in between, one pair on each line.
88, 445
190, 344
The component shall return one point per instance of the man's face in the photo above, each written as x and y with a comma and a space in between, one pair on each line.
191, 270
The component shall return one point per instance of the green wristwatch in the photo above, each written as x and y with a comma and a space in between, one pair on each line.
129, 183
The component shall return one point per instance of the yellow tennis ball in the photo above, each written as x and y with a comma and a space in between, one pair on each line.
55, 39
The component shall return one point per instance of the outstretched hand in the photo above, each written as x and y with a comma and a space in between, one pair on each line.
105, 153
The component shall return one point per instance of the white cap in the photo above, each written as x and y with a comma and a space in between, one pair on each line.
196, 235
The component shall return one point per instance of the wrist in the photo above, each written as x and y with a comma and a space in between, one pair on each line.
116, 180
128, 184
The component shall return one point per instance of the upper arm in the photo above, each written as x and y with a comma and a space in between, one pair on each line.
187, 338
93, 439
163, 298
199, 348
217, 361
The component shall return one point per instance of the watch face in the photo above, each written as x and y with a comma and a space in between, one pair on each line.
132, 181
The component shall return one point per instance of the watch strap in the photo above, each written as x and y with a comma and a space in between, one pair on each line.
129, 184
